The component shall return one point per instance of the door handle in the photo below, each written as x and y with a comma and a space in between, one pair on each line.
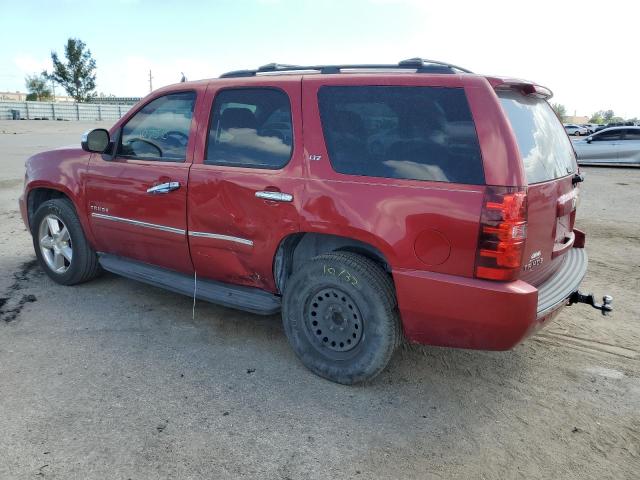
164, 187
274, 196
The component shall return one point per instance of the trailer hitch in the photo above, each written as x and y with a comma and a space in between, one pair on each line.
605, 307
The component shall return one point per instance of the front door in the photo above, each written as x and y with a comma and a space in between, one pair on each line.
245, 184
604, 147
137, 197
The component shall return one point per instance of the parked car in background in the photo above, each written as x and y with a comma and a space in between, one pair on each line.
576, 130
591, 127
611, 145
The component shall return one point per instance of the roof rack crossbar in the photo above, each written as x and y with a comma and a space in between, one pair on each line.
419, 65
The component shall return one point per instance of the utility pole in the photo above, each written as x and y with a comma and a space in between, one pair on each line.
150, 82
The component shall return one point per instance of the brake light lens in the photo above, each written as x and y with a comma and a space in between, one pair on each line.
503, 232
525, 87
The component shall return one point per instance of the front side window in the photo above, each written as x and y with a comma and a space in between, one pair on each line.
250, 127
608, 136
160, 130
417, 133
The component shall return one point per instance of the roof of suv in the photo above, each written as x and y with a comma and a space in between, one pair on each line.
412, 65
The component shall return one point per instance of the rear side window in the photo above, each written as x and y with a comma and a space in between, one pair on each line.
632, 134
544, 146
419, 133
250, 127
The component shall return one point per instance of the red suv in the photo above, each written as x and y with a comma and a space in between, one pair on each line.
367, 202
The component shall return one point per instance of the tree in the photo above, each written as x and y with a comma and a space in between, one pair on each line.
560, 110
37, 88
597, 117
603, 116
608, 115
77, 75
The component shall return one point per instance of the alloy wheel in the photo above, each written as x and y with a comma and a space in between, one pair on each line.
55, 243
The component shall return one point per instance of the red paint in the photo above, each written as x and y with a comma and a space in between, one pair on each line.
432, 247
428, 231
222, 200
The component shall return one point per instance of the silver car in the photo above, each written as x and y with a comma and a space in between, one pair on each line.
611, 145
576, 130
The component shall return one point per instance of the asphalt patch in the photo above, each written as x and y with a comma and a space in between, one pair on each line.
13, 300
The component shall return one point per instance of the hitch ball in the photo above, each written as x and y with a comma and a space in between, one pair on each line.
605, 307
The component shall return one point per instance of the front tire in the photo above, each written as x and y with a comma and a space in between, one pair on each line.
60, 244
340, 316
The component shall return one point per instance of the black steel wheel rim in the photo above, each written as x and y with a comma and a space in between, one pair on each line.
333, 321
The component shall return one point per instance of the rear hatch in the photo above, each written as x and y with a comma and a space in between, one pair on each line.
550, 165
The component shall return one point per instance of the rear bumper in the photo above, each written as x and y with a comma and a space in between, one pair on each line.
555, 292
447, 310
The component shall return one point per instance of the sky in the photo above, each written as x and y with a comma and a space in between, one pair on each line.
585, 51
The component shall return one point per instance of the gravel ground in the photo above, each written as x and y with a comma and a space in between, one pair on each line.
115, 379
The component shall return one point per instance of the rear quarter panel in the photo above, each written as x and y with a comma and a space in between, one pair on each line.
399, 216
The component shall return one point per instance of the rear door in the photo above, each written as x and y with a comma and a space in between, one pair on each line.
550, 165
138, 198
629, 149
245, 185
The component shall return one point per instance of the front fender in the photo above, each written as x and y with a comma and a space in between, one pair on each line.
62, 170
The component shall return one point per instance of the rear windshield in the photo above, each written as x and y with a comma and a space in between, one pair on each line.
420, 133
545, 148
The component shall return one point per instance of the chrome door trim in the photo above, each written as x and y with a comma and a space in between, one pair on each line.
217, 236
164, 187
274, 196
138, 223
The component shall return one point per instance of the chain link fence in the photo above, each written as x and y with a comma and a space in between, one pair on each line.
61, 111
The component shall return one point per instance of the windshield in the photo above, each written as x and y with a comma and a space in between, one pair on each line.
544, 146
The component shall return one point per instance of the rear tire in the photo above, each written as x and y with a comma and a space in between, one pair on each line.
60, 244
340, 316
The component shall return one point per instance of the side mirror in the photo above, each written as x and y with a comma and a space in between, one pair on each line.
95, 141
589, 139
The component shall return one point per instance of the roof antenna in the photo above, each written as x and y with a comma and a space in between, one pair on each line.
183, 79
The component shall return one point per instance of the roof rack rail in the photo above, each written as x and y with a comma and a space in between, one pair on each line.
419, 65
422, 62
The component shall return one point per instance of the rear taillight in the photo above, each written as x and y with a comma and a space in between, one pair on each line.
503, 231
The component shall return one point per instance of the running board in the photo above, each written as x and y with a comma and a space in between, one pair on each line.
239, 297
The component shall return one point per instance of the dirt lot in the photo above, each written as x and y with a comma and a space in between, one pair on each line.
114, 379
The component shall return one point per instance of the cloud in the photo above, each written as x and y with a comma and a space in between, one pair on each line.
129, 76
28, 64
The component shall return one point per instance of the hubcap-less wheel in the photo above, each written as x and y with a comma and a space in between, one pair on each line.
333, 321
55, 243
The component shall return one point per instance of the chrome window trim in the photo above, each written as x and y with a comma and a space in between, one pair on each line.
138, 223
217, 236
